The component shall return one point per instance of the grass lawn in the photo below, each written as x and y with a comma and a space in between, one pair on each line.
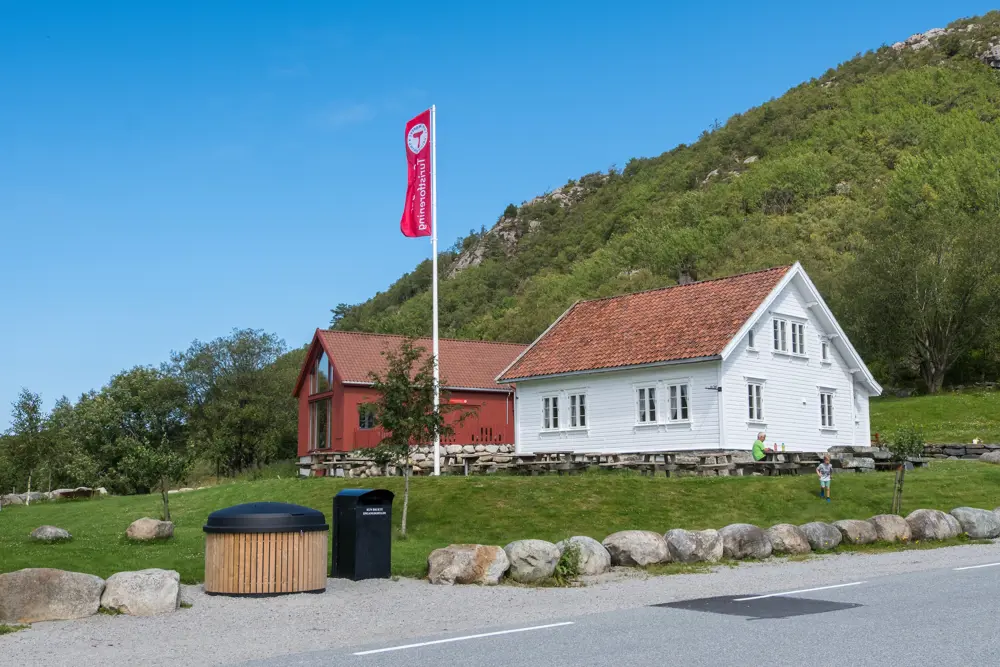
952, 417
486, 510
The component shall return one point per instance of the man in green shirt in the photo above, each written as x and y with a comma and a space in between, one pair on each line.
758, 447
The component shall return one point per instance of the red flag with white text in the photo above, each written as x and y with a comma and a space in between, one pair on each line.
417, 214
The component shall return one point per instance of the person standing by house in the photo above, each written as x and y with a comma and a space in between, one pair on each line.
823, 471
758, 447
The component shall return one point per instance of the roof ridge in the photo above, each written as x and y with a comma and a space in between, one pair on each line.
697, 282
388, 335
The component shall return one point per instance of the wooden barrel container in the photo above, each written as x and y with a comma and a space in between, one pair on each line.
262, 549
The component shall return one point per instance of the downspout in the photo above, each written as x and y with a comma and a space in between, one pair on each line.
854, 416
722, 411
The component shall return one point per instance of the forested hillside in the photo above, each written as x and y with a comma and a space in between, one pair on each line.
881, 176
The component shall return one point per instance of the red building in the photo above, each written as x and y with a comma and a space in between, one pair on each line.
335, 384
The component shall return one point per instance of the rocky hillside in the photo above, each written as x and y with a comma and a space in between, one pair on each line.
801, 177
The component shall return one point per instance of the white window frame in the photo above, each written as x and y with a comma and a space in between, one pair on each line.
579, 420
824, 351
642, 415
550, 413
755, 412
779, 334
788, 335
798, 338
680, 391
827, 415
750, 340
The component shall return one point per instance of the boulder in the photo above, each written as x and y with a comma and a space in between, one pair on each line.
50, 534
891, 528
854, 531
991, 457
932, 525
694, 546
976, 523
11, 499
146, 529
742, 540
531, 560
786, 538
143, 593
467, 564
43, 594
821, 536
594, 558
79, 492
636, 547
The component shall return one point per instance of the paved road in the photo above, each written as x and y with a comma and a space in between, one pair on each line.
939, 617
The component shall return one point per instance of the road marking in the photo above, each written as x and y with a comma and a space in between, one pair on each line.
975, 567
804, 590
462, 639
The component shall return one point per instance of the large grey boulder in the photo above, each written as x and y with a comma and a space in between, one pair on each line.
786, 538
78, 492
855, 531
147, 529
976, 523
743, 540
143, 593
821, 536
991, 457
932, 525
636, 547
891, 528
11, 499
50, 534
694, 546
43, 594
531, 560
467, 564
593, 558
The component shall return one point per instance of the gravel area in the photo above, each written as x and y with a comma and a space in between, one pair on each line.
223, 631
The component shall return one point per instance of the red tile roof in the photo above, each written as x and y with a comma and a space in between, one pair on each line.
470, 364
669, 324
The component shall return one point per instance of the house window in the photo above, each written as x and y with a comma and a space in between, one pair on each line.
322, 375
780, 335
647, 405
826, 409
578, 411
366, 417
798, 338
750, 339
679, 402
755, 401
550, 412
319, 424
824, 348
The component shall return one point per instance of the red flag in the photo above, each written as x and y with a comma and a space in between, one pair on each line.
417, 214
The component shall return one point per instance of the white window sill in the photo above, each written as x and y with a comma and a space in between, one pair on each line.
793, 355
550, 431
826, 363
752, 349
756, 422
577, 429
828, 429
678, 422
647, 424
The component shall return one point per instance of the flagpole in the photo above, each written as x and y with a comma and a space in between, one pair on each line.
434, 284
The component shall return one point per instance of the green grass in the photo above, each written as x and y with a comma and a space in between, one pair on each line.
8, 629
952, 417
486, 510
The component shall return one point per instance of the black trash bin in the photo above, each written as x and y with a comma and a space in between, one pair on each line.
362, 534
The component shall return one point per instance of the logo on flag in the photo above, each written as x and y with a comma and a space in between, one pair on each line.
416, 138
417, 214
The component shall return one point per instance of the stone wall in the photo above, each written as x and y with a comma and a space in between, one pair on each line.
953, 452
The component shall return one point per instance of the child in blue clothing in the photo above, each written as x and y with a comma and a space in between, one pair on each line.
823, 471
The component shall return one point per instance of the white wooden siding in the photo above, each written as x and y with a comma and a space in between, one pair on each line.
792, 385
611, 411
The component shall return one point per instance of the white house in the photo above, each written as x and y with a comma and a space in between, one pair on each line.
705, 365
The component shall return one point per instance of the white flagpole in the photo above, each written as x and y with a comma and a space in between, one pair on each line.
434, 284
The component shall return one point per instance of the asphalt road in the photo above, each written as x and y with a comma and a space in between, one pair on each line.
945, 616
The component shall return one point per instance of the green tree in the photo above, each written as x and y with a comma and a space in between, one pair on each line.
904, 443
26, 444
405, 409
510, 211
149, 409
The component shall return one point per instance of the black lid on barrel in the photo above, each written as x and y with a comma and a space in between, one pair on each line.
265, 518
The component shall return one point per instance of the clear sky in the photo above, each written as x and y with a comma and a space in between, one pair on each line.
170, 170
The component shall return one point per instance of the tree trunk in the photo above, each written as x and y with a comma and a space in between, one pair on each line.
406, 497
27, 498
897, 490
166, 502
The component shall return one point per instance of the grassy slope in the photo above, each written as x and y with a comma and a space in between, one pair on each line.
945, 418
491, 510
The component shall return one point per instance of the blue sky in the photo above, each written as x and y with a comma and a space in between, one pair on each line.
172, 170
